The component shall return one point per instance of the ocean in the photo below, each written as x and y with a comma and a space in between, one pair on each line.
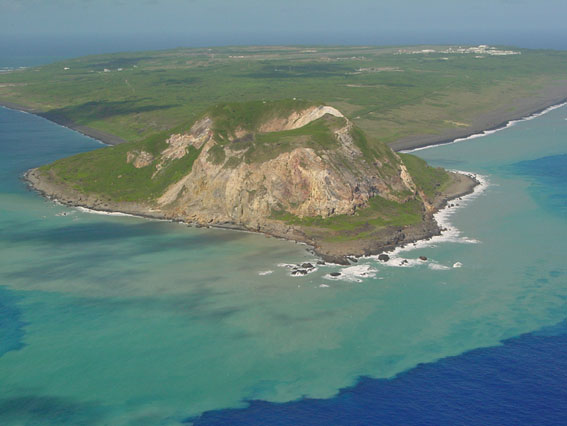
122, 320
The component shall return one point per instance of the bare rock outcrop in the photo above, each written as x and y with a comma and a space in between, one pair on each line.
303, 182
139, 159
298, 119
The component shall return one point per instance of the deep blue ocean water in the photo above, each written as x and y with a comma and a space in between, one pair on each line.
521, 382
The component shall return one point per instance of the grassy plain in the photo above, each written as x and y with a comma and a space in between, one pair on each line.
387, 94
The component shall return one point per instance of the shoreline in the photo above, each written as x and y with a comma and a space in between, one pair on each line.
99, 136
486, 126
409, 144
392, 239
450, 233
488, 132
342, 254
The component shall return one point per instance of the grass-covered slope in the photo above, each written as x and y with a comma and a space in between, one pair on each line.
238, 124
429, 179
248, 116
107, 172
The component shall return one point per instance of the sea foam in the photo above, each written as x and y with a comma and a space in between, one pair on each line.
354, 273
105, 213
450, 233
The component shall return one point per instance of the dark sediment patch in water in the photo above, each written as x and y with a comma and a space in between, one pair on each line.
11, 324
71, 248
97, 232
46, 410
520, 382
548, 176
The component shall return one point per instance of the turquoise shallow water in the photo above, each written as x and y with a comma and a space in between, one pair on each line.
121, 320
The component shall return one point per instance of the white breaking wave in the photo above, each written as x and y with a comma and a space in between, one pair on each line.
490, 132
294, 268
402, 262
265, 273
87, 210
354, 273
438, 267
65, 213
450, 233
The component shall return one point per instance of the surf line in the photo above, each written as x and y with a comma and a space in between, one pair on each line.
491, 131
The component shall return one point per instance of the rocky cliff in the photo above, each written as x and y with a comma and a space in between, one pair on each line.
304, 181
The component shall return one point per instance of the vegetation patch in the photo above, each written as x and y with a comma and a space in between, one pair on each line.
380, 213
106, 172
427, 178
248, 116
216, 154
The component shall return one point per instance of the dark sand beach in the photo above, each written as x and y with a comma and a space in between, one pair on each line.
491, 120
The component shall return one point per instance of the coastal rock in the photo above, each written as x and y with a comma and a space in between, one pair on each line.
383, 257
423, 258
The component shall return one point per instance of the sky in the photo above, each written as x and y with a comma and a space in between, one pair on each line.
173, 23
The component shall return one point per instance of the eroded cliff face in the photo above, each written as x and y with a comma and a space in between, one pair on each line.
303, 181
